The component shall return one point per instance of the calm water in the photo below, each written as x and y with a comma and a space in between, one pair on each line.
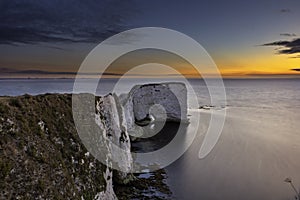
259, 146
261, 93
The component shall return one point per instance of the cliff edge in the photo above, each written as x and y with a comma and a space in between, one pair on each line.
42, 156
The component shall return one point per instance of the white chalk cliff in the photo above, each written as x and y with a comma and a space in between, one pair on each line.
118, 118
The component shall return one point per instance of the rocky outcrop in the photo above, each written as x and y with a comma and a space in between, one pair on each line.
42, 156
172, 98
111, 118
154, 102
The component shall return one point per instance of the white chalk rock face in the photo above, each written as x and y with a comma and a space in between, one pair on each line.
117, 117
114, 123
127, 105
108, 193
132, 128
162, 100
111, 119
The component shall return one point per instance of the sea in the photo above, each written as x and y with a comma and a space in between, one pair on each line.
258, 149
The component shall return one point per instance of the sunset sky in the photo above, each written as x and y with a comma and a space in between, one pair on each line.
244, 38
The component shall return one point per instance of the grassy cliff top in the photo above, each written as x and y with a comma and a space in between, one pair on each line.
41, 155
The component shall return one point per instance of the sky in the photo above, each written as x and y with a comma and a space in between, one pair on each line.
244, 38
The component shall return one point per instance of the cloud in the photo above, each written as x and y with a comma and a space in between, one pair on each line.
298, 56
288, 47
68, 21
9, 71
297, 69
288, 34
12, 72
285, 10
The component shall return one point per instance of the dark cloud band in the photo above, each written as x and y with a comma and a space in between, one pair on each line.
298, 69
289, 47
288, 34
29, 21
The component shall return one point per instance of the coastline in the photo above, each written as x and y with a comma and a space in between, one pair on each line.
261, 125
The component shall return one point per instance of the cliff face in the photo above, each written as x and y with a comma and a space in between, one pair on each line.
172, 98
159, 102
42, 156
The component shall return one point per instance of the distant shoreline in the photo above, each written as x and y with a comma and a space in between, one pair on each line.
159, 78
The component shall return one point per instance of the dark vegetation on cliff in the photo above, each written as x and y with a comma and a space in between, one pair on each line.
41, 155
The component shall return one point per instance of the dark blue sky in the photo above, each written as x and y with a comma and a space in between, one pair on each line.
57, 35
